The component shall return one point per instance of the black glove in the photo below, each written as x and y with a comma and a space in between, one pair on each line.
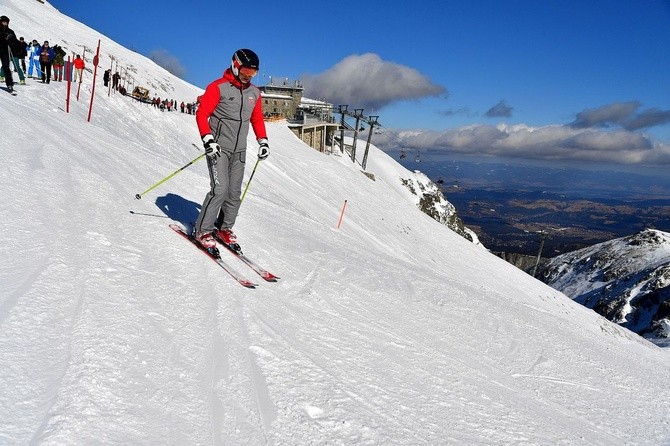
212, 149
264, 149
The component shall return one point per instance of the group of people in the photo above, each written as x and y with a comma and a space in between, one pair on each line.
171, 105
115, 78
42, 59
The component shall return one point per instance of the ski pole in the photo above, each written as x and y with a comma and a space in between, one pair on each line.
138, 196
249, 182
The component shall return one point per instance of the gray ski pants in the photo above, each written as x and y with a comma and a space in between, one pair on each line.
219, 210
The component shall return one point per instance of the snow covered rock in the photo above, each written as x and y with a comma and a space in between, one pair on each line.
627, 280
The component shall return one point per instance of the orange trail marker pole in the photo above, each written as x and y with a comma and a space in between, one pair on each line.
342, 214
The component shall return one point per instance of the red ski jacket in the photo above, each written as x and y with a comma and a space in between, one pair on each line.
227, 108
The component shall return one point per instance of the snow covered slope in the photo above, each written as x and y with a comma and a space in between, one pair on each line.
390, 330
627, 280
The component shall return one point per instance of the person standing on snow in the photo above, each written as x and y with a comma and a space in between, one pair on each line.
79, 65
226, 109
22, 53
59, 63
46, 59
7, 40
33, 59
115, 80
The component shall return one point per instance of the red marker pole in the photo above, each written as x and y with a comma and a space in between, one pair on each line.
96, 58
69, 83
342, 214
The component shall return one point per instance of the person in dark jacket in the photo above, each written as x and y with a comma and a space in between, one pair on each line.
115, 80
59, 62
105, 77
46, 59
16, 49
226, 109
7, 40
22, 52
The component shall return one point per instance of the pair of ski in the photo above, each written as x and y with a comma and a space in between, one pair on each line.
215, 255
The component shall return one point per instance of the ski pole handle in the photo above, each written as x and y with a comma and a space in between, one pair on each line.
138, 196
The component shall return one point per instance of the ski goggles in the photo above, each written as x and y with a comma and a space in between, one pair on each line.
248, 71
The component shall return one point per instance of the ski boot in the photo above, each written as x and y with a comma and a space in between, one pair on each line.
228, 238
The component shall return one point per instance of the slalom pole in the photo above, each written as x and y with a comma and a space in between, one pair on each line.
249, 182
138, 196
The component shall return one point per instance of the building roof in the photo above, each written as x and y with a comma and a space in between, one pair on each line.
275, 96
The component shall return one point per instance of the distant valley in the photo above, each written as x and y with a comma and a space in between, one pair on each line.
512, 207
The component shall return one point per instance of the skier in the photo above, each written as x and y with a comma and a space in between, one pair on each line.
226, 109
7, 39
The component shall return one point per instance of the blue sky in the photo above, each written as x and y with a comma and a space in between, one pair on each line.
599, 69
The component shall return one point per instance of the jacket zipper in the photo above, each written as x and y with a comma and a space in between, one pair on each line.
239, 127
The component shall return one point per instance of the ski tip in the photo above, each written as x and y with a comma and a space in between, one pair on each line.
248, 284
269, 277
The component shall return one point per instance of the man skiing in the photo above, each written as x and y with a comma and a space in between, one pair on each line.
7, 40
226, 109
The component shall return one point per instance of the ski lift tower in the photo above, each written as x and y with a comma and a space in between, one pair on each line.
372, 122
343, 111
358, 114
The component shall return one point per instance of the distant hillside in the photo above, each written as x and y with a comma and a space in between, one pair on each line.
627, 280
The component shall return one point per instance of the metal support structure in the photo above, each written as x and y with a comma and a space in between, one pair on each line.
358, 114
372, 121
343, 111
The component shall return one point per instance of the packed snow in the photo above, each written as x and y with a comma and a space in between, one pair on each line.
391, 329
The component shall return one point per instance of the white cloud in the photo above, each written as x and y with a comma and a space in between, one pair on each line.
367, 81
555, 142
